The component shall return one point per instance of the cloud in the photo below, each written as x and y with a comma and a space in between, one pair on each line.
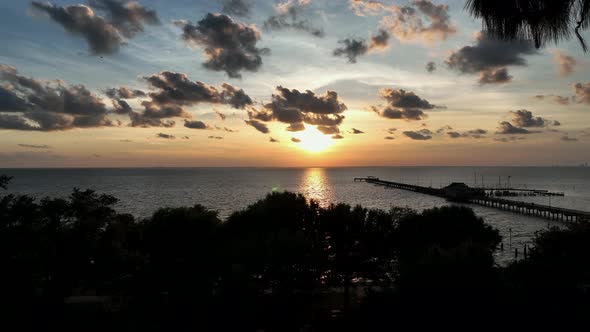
489, 57
337, 136
391, 130
420, 20
288, 16
165, 136
33, 146
236, 7
526, 119
196, 124
176, 89
417, 136
354, 48
124, 93
443, 129
103, 35
356, 131
272, 140
221, 115
403, 104
261, 127
494, 76
555, 98
295, 140
48, 106
389, 138
565, 63
475, 133
228, 45
566, 138
431, 67
508, 139
506, 128
215, 137
582, 91
296, 108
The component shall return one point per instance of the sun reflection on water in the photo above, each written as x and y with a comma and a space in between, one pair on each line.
315, 185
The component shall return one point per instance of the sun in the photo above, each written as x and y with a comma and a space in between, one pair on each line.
313, 140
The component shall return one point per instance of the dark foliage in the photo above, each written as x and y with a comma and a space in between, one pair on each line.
281, 264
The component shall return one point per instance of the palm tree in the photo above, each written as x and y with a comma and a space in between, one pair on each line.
542, 21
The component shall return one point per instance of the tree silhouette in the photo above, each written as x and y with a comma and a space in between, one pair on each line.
542, 21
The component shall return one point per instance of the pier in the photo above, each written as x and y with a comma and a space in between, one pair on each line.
460, 192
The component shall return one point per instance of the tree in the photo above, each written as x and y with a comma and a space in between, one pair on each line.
4, 181
542, 21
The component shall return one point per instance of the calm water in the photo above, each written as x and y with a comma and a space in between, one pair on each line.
141, 191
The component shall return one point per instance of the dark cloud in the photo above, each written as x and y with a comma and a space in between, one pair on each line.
176, 89
495, 76
566, 138
526, 119
337, 136
582, 91
391, 130
121, 107
272, 140
196, 124
141, 120
296, 108
33, 146
565, 63
236, 7
354, 48
443, 129
165, 136
431, 67
417, 136
506, 128
295, 140
555, 98
226, 129
103, 35
403, 104
329, 130
228, 45
476, 133
128, 17
215, 137
509, 139
221, 115
356, 131
389, 137
261, 127
351, 49
489, 57
124, 93
288, 16
49, 106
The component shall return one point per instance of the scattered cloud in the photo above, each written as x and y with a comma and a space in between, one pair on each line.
33, 146
403, 104
555, 98
215, 137
261, 127
295, 140
431, 67
104, 34
417, 135
48, 106
337, 136
489, 57
526, 119
506, 128
124, 93
565, 63
288, 15
196, 124
509, 139
566, 138
272, 140
229, 46
165, 136
354, 48
221, 115
356, 131
582, 91
239, 8
475, 133
389, 137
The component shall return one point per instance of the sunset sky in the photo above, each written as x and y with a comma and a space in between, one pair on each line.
104, 83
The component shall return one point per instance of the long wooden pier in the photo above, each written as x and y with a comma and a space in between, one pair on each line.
477, 196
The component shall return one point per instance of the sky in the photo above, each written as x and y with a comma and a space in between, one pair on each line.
286, 83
